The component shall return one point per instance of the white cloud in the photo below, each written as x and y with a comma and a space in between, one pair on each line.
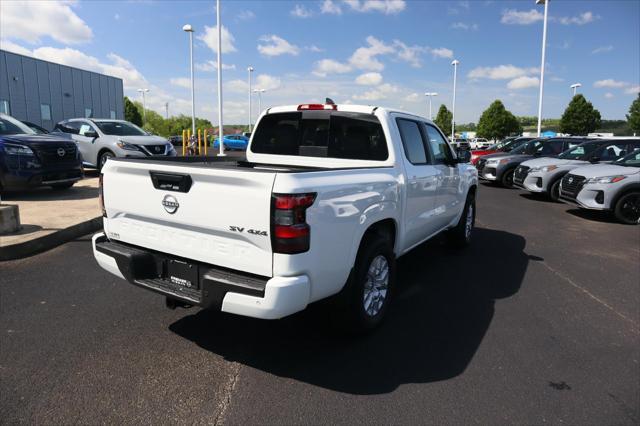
15, 48
263, 81
181, 82
602, 49
517, 17
523, 82
246, 15
410, 54
633, 90
610, 83
210, 38
501, 72
369, 79
388, 7
609, 95
330, 66
267, 82
314, 48
442, 52
380, 92
464, 26
413, 97
31, 20
365, 57
213, 65
276, 46
116, 17
328, 6
300, 12
582, 19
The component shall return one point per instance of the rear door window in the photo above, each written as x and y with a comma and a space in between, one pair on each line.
412, 141
331, 134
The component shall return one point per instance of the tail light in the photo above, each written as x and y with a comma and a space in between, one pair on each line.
290, 233
101, 196
312, 107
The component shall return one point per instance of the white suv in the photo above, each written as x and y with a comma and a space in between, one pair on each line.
479, 143
101, 139
611, 187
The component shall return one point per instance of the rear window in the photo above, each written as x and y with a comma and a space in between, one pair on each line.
330, 134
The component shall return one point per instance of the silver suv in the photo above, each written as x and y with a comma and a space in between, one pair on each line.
100, 139
611, 187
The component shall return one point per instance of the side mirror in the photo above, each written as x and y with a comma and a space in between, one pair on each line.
464, 156
91, 134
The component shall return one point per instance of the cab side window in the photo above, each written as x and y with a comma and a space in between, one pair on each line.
84, 128
438, 145
412, 141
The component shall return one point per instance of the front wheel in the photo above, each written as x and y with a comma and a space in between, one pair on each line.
627, 209
104, 157
507, 178
367, 294
460, 235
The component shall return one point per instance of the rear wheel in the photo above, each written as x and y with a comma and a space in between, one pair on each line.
627, 209
366, 296
554, 190
507, 178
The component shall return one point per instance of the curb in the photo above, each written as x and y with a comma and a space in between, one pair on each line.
47, 242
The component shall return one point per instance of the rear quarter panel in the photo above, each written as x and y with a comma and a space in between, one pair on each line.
347, 203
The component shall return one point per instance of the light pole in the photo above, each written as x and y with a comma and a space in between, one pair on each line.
144, 106
166, 110
220, 126
544, 49
189, 29
259, 92
575, 87
250, 70
455, 64
430, 95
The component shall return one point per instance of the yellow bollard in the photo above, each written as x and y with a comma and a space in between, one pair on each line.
184, 142
206, 142
199, 142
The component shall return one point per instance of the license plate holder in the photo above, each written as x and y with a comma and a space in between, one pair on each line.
183, 274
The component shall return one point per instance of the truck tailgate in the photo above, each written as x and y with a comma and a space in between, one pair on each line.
222, 219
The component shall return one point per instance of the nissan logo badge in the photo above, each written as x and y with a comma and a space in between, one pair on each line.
570, 180
61, 152
170, 204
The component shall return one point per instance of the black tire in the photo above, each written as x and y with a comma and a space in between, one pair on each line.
627, 208
554, 190
60, 186
353, 315
460, 236
507, 178
103, 158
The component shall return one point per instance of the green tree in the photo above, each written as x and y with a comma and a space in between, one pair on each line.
633, 118
443, 120
131, 113
496, 122
580, 117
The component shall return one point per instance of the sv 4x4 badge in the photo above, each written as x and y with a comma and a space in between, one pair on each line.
249, 231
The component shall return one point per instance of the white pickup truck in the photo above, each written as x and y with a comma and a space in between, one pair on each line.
327, 199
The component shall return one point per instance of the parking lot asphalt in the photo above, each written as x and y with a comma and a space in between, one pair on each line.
537, 322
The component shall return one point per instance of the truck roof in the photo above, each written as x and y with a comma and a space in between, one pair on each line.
364, 109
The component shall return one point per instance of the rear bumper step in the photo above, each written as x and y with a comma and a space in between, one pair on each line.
216, 288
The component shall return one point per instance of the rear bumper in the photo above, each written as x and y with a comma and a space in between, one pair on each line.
222, 289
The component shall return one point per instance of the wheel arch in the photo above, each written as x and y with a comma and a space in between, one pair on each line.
624, 191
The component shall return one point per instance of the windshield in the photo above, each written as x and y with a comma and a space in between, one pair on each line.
631, 160
120, 128
528, 148
580, 152
11, 126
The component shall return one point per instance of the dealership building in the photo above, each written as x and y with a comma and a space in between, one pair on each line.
45, 93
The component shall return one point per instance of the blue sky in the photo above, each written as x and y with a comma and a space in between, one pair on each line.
379, 52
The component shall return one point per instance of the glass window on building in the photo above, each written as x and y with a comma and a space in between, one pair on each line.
112, 114
45, 112
4, 107
88, 113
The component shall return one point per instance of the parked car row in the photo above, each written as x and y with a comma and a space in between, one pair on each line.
592, 173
